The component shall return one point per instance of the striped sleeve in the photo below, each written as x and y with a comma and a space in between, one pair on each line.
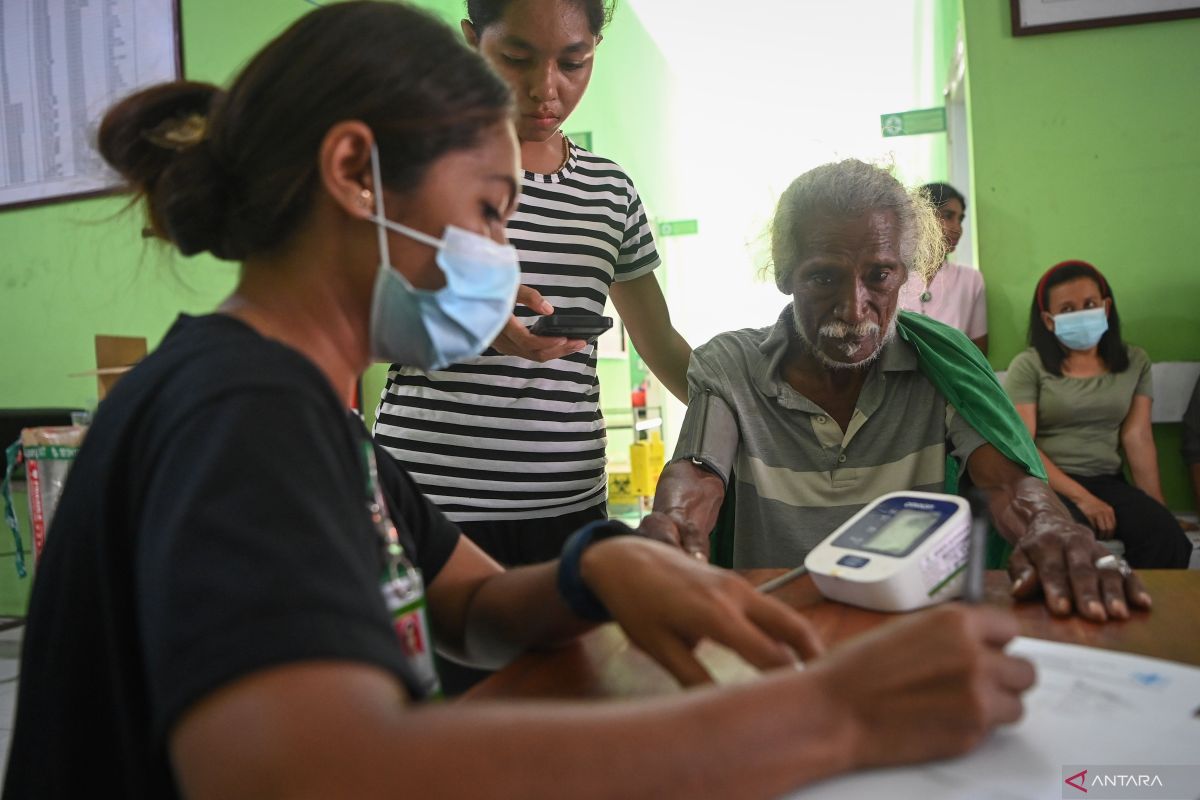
638, 255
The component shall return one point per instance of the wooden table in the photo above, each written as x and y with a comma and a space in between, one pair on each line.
604, 664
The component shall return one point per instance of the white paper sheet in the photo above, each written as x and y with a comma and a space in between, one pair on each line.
1089, 706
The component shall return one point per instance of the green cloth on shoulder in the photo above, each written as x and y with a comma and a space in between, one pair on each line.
960, 372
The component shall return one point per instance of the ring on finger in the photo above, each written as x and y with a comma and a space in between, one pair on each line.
1114, 563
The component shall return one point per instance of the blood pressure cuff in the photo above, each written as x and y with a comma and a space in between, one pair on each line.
709, 436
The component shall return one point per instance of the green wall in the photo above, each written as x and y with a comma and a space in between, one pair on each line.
1085, 146
935, 25
74, 269
71, 270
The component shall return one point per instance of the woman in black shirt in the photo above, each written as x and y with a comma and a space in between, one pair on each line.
230, 599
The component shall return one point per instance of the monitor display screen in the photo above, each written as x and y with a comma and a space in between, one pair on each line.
901, 531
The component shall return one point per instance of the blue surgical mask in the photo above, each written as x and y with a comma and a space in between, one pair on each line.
1081, 330
432, 329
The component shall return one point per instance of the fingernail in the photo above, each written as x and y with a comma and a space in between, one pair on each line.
1118, 609
1063, 605
1095, 609
1145, 599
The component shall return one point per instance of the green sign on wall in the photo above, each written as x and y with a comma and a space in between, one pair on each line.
909, 123
679, 227
583, 139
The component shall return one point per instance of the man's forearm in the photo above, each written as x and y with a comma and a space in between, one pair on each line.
1020, 504
1024, 507
690, 496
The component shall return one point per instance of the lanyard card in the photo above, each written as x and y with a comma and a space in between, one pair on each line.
403, 592
404, 595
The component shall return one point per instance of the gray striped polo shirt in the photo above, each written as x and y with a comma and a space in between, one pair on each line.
798, 474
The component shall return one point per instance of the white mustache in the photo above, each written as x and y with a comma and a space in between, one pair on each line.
844, 330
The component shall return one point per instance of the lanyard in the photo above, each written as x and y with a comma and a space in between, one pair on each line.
397, 561
403, 592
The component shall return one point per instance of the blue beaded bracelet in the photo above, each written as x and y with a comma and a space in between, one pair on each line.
574, 592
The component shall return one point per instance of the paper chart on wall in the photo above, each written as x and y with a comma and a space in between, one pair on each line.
1089, 706
62, 63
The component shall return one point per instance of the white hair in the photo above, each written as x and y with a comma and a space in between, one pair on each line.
853, 188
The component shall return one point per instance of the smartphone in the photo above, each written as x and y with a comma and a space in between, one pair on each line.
572, 325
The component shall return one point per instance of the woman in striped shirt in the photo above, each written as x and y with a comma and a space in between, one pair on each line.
511, 444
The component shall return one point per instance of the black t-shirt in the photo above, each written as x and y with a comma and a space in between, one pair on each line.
214, 524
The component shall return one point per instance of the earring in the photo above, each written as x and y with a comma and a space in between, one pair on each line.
366, 199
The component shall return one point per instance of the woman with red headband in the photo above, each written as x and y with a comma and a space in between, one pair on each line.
1085, 396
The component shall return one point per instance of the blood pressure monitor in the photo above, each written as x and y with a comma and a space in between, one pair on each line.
904, 551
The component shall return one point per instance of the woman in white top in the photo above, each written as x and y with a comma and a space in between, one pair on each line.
955, 294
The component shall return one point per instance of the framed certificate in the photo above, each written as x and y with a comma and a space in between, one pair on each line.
62, 64
1049, 16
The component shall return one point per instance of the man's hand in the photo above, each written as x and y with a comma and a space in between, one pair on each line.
516, 340
1058, 555
929, 685
687, 502
668, 602
1051, 551
688, 538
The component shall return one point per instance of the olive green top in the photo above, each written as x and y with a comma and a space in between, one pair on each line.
1079, 419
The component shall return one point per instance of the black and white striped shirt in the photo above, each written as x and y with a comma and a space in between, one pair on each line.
501, 437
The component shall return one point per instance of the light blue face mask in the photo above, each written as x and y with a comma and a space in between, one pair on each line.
1081, 330
432, 329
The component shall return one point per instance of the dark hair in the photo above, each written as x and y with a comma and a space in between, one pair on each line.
235, 173
482, 13
1110, 348
942, 193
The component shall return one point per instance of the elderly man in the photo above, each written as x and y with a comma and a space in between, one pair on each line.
843, 400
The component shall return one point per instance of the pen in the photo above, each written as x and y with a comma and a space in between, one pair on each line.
976, 547
787, 577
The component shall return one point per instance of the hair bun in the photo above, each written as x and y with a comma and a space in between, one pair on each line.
191, 201
157, 139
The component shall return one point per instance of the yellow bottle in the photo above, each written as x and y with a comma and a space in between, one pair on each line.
639, 468
655, 460
646, 464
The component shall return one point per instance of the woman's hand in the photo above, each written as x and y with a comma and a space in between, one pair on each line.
516, 340
668, 602
930, 685
1100, 515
